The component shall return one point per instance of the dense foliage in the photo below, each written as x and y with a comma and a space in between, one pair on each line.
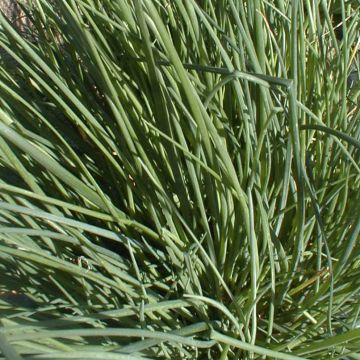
180, 179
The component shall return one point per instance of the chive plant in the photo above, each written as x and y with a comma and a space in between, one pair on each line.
180, 180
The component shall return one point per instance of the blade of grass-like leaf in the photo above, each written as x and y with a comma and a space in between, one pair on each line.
74, 223
35, 232
343, 148
103, 16
161, 113
110, 332
7, 349
353, 240
49, 163
254, 269
159, 308
297, 151
54, 78
267, 235
334, 132
75, 118
91, 355
191, 330
217, 305
204, 123
210, 39
66, 266
308, 180
262, 110
252, 348
328, 343
65, 205
186, 152
297, 144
